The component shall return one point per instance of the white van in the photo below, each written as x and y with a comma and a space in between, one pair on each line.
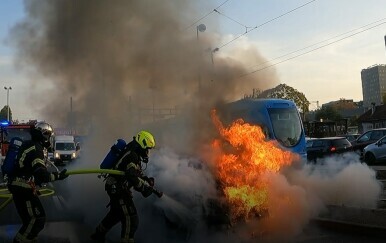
65, 149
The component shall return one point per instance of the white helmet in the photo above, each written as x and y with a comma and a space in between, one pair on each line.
42, 131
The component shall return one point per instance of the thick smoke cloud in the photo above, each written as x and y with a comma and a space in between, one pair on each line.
121, 62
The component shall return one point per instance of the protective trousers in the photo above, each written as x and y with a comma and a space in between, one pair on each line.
31, 212
122, 209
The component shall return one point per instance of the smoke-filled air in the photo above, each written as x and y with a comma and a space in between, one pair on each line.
120, 60
117, 67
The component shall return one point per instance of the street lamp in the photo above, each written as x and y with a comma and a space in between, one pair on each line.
211, 53
200, 28
8, 89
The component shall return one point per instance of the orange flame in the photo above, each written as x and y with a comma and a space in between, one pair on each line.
244, 156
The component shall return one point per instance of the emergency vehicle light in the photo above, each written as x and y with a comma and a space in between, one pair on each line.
4, 123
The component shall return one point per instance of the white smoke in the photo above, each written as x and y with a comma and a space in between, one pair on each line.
340, 180
296, 195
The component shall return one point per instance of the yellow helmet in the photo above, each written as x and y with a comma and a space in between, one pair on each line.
145, 139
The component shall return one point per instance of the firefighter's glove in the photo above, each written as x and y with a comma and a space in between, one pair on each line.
149, 180
60, 175
145, 159
147, 191
128, 174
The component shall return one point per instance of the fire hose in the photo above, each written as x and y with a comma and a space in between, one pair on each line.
8, 196
107, 171
4, 193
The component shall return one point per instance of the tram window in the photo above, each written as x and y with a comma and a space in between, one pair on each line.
286, 125
283, 116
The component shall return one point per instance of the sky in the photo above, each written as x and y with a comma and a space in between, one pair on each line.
275, 28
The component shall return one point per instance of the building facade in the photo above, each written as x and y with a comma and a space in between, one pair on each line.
342, 104
372, 118
373, 85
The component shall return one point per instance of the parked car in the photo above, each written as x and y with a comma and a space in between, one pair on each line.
351, 137
367, 138
375, 152
322, 147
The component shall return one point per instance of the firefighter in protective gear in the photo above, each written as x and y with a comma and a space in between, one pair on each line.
122, 208
30, 172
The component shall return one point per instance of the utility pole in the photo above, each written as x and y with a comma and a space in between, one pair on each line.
8, 89
199, 28
71, 118
317, 103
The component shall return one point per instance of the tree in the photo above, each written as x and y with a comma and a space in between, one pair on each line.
384, 98
327, 113
4, 113
283, 91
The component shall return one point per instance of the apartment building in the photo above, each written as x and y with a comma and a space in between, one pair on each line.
373, 85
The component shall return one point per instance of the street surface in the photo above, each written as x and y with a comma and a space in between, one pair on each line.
69, 224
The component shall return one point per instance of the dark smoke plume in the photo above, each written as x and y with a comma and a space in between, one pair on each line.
122, 61
124, 65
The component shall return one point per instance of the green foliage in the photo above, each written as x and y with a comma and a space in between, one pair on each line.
327, 113
384, 98
283, 91
4, 112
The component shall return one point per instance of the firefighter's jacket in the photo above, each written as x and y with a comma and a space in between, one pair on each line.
31, 168
130, 163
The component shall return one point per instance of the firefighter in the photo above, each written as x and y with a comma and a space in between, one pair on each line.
122, 208
29, 173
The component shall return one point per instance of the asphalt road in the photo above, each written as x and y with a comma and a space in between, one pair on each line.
69, 224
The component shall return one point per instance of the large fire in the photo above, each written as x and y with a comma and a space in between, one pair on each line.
243, 157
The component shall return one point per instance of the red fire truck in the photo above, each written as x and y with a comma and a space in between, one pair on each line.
13, 130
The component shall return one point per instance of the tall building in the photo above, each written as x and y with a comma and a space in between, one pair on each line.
373, 85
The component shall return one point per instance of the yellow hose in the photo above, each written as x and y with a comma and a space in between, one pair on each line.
8, 196
95, 171
48, 192
5, 203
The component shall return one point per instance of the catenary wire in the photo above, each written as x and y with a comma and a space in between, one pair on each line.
319, 42
258, 26
206, 15
226, 16
274, 64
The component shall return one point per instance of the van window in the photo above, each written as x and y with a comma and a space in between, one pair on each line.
65, 146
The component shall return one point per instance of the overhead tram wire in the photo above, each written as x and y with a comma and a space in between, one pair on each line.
304, 48
226, 16
320, 47
258, 26
206, 15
